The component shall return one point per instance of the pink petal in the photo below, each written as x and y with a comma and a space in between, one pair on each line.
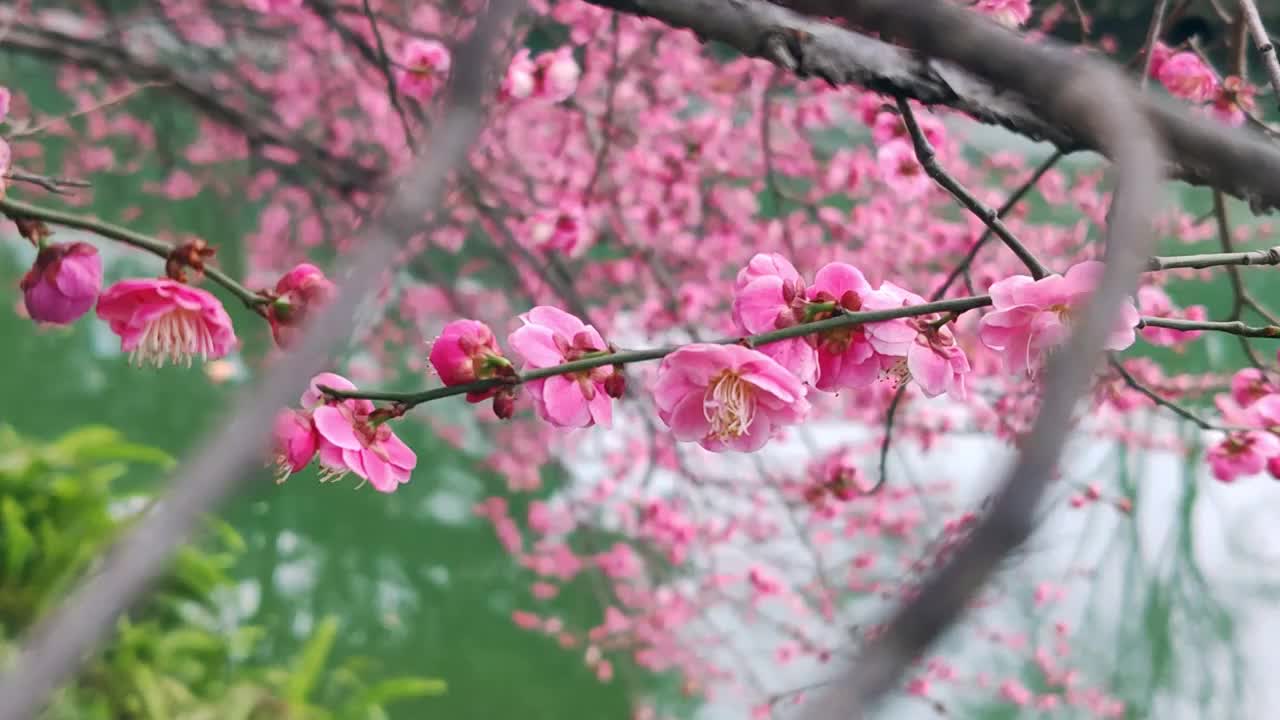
335, 428
838, 278
555, 319
688, 421
565, 403
536, 345
601, 407
757, 305
399, 453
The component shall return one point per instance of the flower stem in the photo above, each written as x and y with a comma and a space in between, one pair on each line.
17, 209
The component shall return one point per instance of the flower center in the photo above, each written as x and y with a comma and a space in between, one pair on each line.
174, 337
1063, 311
729, 405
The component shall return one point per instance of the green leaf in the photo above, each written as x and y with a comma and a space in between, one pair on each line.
18, 541
311, 661
402, 688
153, 701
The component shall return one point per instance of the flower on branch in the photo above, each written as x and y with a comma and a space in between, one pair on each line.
161, 321
63, 283
549, 337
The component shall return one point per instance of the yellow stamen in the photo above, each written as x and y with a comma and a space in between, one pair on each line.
729, 405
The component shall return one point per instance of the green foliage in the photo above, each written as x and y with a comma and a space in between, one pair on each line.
177, 657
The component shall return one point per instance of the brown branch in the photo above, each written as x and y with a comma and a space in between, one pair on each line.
1153, 37
62, 639
929, 161
1203, 152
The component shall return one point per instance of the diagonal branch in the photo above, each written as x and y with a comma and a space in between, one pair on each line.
61, 640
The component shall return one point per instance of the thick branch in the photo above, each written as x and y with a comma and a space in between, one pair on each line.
1202, 153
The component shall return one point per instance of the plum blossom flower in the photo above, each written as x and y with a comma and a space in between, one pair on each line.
1034, 316
551, 336
1248, 386
465, 352
769, 295
1153, 301
160, 320
272, 7
299, 293
557, 74
521, 79
424, 66
1233, 98
563, 229
1242, 453
351, 438
63, 283
931, 357
5, 98
901, 171
552, 76
1010, 13
727, 397
846, 358
295, 442
1186, 76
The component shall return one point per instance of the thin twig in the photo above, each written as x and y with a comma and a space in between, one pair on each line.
929, 161
1230, 327
63, 638
1151, 395
384, 64
1005, 209
1262, 41
55, 185
18, 209
1153, 37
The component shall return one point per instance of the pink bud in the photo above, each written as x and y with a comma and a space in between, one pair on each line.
615, 386
465, 352
299, 293
63, 283
504, 405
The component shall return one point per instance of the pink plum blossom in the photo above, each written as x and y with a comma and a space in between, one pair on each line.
769, 295
727, 397
1249, 385
295, 442
1242, 453
1153, 301
465, 352
161, 320
1186, 76
5, 98
901, 171
933, 358
63, 283
298, 294
520, 82
550, 336
350, 439
1033, 316
1232, 100
558, 74
271, 7
563, 229
424, 67
1010, 13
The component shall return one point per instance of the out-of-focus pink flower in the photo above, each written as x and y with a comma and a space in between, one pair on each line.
1010, 13
1034, 316
1242, 453
1248, 386
63, 283
465, 352
160, 320
1188, 77
299, 293
557, 74
1159, 54
1154, 302
295, 442
763, 581
726, 397
901, 171
1234, 97
521, 79
424, 68
769, 295
1015, 692
551, 336
563, 229
5, 98
350, 439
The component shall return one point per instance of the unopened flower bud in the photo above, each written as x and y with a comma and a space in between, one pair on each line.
851, 301
616, 384
504, 404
